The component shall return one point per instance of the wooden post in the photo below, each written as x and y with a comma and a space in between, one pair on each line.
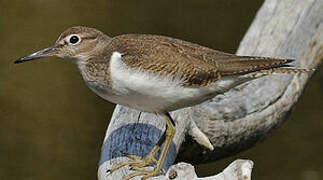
238, 119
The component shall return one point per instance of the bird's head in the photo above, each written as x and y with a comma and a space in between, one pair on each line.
77, 43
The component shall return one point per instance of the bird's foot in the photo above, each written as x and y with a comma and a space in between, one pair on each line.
138, 164
144, 172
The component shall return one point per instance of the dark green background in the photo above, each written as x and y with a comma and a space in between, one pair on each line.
52, 125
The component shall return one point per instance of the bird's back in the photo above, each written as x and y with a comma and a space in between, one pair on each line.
199, 65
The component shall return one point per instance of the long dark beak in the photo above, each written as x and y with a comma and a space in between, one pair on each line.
50, 51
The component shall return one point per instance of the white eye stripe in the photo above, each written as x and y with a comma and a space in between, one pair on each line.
73, 39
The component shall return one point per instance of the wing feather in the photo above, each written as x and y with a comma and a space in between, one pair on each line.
198, 65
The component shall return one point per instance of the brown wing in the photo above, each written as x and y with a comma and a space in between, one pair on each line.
198, 65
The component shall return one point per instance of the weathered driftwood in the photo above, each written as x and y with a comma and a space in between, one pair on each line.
241, 117
237, 170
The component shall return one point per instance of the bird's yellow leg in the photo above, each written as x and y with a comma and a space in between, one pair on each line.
138, 164
146, 173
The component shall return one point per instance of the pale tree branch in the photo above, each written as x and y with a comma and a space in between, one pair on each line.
237, 170
242, 116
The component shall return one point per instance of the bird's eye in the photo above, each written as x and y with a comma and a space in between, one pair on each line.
74, 39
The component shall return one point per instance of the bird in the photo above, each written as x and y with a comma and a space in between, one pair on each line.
156, 74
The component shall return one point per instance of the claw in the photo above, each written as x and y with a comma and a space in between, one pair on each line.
144, 173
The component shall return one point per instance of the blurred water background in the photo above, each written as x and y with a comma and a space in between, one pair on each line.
52, 126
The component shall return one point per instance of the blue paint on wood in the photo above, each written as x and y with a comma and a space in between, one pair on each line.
136, 139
